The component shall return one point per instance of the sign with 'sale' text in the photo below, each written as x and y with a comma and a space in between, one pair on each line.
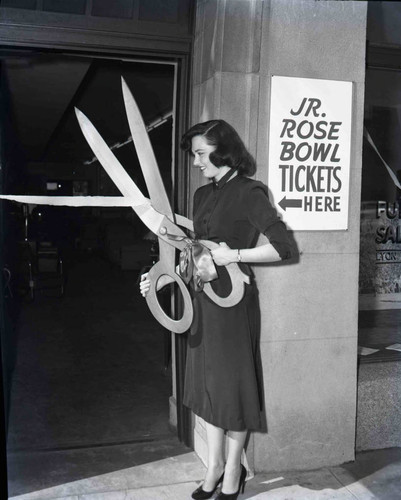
309, 151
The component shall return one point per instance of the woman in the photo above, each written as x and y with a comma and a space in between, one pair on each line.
223, 382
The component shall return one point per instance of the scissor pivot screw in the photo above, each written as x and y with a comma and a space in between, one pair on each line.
163, 230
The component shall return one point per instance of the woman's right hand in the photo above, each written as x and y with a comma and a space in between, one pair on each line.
144, 285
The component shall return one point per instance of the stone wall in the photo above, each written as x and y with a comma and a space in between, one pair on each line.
309, 309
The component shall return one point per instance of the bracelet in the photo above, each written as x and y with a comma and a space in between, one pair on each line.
239, 258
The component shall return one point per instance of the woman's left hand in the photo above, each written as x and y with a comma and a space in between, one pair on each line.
223, 255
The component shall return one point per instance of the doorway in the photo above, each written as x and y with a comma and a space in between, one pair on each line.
380, 263
90, 370
379, 332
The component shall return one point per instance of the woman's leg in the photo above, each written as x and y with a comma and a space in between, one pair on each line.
215, 443
232, 471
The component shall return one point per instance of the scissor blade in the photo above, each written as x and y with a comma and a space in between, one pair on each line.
145, 154
109, 162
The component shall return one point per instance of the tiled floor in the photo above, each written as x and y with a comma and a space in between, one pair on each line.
374, 475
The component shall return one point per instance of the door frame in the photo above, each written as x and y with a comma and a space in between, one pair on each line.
16, 45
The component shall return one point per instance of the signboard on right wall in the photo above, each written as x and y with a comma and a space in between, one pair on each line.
309, 151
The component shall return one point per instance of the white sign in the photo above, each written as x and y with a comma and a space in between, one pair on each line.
309, 151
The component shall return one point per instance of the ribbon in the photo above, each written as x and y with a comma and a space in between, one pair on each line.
195, 263
389, 170
73, 201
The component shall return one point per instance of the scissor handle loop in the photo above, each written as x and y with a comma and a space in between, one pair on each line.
176, 326
238, 280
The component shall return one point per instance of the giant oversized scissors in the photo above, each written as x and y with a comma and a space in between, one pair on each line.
156, 213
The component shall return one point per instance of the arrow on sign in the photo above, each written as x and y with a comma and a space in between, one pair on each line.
294, 203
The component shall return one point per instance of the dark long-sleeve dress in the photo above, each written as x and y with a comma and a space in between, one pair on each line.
223, 381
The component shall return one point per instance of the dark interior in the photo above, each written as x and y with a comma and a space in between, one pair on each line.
87, 367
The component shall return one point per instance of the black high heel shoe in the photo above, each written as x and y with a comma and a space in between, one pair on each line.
201, 494
234, 496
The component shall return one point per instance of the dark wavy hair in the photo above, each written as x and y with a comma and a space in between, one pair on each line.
230, 150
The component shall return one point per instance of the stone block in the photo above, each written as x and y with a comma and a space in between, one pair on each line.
195, 103
310, 389
200, 16
239, 96
227, 37
200, 440
197, 58
210, 13
315, 39
379, 406
212, 47
242, 36
233, 97
208, 106
316, 298
209, 40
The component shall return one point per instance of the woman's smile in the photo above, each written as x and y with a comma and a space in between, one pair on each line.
201, 150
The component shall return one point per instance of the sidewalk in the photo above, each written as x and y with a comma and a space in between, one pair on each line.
374, 475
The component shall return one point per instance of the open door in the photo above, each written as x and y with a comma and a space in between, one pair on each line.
86, 359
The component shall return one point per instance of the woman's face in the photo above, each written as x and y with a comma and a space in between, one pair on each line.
201, 151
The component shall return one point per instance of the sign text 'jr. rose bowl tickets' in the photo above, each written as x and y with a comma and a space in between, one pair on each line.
309, 151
